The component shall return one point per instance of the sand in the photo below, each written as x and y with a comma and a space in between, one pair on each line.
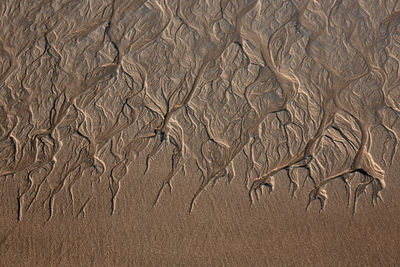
199, 133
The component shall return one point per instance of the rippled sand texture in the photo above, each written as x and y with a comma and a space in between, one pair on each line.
93, 93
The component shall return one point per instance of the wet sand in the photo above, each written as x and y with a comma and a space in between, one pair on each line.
199, 133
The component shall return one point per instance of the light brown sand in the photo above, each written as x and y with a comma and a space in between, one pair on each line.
199, 133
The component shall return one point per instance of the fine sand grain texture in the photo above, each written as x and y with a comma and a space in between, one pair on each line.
199, 133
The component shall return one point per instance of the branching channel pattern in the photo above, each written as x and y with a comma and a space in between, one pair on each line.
306, 88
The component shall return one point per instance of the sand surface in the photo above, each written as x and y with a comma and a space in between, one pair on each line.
199, 133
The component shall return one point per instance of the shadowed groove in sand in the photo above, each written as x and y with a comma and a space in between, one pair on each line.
274, 86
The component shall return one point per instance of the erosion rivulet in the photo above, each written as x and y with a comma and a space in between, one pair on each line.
212, 85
